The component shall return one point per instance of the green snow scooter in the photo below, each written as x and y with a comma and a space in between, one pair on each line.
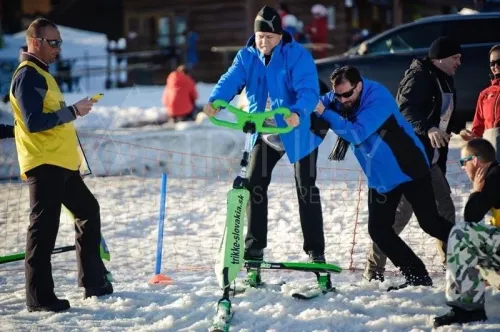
230, 260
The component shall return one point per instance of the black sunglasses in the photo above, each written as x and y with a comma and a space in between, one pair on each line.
464, 160
54, 43
346, 94
495, 62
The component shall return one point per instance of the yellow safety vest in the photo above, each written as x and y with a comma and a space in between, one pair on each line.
57, 146
495, 219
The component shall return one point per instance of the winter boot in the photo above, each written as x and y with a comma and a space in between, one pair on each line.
254, 255
57, 305
413, 279
460, 316
374, 276
105, 289
316, 257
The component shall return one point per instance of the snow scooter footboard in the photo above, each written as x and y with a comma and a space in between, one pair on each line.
297, 266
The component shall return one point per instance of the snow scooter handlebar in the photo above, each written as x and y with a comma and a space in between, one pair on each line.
258, 119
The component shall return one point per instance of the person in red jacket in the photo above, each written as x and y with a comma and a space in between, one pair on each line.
486, 122
283, 11
318, 30
180, 95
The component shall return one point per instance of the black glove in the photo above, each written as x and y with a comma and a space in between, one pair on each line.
340, 148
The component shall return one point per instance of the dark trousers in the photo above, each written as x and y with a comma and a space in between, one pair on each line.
262, 162
49, 187
382, 213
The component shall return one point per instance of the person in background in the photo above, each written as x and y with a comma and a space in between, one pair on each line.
427, 98
283, 11
191, 50
290, 24
318, 30
473, 246
486, 121
49, 160
180, 95
301, 36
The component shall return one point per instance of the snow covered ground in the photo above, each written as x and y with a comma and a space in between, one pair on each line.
201, 161
195, 214
194, 223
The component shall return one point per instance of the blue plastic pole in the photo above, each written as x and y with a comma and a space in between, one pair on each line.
161, 221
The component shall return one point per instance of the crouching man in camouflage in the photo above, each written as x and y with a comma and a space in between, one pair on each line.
473, 247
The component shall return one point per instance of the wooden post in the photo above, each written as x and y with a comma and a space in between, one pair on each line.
250, 13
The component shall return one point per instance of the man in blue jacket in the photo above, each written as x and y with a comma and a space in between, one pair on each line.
281, 73
364, 114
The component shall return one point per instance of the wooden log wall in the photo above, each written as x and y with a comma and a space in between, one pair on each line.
224, 23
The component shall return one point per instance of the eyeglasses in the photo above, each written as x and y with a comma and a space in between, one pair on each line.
464, 160
54, 43
346, 94
495, 62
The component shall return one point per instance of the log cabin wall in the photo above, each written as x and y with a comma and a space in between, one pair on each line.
159, 24
337, 36
156, 24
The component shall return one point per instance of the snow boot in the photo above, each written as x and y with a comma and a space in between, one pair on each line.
316, 257
460, 316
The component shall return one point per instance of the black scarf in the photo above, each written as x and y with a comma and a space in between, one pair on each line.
340, 148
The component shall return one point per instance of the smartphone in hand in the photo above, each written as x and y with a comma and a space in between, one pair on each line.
97, 97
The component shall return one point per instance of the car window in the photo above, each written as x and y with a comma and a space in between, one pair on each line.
474, 31
407, 39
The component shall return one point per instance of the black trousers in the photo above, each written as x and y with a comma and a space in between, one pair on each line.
263, 160
382, 212
49, 187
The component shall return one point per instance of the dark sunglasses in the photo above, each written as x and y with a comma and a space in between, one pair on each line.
495, 62
54, 43
346, 94
464, 160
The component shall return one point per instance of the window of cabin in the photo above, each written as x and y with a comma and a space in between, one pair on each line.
164, 31
180, 29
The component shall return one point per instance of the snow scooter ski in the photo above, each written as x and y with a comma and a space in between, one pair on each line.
229, 260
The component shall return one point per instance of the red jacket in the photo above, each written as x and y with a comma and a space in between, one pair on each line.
318, 33
488, 109
179, 95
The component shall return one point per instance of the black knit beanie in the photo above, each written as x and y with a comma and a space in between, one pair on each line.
268, 20
444, 47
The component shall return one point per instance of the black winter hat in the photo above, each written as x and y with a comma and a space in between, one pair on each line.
444, 47
268, 20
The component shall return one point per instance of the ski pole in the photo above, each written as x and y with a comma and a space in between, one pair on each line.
20, 256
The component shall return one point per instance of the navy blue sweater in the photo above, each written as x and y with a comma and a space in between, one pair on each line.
29, 88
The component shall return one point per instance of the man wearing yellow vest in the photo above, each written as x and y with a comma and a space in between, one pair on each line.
47, 148
473, 247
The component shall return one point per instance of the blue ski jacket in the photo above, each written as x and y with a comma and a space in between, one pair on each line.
290, 80
383, 141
